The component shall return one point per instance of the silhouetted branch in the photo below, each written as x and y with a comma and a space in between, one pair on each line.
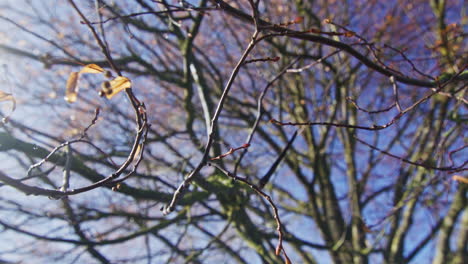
183, 186
264, 180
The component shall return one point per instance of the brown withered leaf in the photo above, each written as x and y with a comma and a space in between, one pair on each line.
117, 85
71, 92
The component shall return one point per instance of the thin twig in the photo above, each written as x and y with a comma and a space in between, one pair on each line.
273, 59
451, 153
93, 122
426, 166
231, 151
314, 63
370, 111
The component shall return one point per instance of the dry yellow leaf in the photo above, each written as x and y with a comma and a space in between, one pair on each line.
71, 92
5, 96
8, 97
117, 85
92, 68
460, 179
109, 88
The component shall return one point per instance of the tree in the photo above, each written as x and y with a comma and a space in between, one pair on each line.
246, 131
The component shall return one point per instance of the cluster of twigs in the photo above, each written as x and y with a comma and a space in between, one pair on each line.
134, 157
262, 30
258, 190
399, 115
283, 31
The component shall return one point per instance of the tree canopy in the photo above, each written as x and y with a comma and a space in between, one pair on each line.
222, 131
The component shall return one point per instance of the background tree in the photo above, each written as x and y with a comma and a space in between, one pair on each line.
237, 131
